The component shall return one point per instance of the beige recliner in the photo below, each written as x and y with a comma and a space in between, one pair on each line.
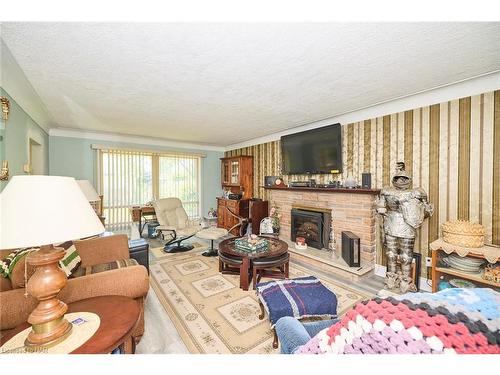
175, 224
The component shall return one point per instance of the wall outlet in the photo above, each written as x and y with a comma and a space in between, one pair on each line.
428, 261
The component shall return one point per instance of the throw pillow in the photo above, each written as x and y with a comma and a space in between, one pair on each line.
8, 264
71, 260
21, 272
5, 284
103, 267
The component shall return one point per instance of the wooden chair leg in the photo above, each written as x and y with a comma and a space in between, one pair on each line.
275, 339
262, 310
254, 278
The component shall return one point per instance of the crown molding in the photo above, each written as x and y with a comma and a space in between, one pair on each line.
469, 87
112, 137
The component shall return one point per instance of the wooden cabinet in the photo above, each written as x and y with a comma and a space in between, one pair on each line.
237, 175
224, 172
225, 219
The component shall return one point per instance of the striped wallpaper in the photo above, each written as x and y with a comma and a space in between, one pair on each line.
452, 150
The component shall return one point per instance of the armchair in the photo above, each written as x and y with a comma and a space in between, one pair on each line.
130, 282
175, 224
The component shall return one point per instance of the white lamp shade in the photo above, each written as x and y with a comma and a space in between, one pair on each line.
88, 190
44, 210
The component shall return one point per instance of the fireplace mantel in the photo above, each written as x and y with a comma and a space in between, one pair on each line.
327, 190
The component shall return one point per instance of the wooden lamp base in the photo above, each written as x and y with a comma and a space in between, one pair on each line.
48, 324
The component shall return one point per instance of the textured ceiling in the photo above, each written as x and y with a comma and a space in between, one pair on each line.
221, 84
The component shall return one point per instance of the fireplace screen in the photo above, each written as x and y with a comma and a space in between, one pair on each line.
313, 226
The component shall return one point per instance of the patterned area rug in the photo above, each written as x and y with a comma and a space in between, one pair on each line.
210, 311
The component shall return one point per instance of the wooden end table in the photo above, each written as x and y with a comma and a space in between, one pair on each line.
276, 248
119, 316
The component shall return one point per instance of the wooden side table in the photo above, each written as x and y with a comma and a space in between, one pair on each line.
119, 316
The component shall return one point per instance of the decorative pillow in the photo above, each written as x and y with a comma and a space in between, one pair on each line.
71, 260
21, 273
5, 284
123, 263
8, 264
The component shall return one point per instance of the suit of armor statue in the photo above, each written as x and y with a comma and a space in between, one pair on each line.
403, 211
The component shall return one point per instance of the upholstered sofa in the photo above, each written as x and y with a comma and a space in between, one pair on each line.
131, 281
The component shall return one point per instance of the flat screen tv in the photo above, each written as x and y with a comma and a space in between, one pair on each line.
316, 151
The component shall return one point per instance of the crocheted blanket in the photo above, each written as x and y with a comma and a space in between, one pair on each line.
450, 321
300, 297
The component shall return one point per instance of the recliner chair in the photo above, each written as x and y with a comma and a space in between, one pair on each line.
174, 222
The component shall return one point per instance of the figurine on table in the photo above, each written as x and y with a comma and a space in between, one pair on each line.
403, 210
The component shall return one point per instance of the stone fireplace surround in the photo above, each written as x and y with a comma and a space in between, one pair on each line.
351, 210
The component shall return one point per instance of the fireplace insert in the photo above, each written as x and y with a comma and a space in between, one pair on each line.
314, 226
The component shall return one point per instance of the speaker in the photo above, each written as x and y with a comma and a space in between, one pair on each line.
270, 180
350, 249
366, 180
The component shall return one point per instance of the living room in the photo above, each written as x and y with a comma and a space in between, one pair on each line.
249, 188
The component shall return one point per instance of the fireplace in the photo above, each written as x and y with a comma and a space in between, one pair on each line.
313, 225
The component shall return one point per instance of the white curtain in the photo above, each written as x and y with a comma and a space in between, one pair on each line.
132, 178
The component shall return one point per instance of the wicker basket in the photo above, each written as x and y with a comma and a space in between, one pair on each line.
463, 233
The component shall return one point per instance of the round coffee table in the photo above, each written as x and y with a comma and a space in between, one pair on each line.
119, 316
276, 247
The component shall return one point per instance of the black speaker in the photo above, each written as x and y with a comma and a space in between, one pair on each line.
270, 180
350, 249
366, 180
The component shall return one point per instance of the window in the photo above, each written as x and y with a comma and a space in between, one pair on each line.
178, 177
132, 178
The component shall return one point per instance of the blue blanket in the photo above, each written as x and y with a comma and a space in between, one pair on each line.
301, 297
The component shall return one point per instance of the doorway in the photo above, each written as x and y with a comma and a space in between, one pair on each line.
35, 157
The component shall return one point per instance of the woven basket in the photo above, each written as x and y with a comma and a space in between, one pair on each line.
463, 233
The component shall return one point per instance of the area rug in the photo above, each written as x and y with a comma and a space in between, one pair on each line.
209, 310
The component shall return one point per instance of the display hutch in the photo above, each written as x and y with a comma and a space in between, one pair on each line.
236, 177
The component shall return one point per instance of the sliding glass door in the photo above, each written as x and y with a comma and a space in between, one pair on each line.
134, 178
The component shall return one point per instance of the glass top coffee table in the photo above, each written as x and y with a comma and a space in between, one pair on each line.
276, 247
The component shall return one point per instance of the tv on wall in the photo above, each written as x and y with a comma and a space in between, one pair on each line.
316, 151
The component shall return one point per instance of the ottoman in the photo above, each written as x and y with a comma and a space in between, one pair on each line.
304, 298
211, 234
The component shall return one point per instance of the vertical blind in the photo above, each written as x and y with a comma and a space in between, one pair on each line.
132, 178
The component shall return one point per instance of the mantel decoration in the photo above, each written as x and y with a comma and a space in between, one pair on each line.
44, 198
5, 108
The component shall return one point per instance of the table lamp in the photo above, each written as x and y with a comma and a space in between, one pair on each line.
88, 190
92, 196
52, 210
